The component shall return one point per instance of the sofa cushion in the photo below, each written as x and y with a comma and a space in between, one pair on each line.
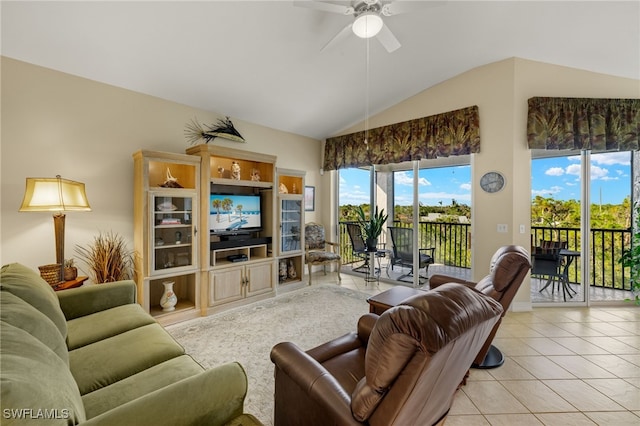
35, 379
140, 384
101, 325
105, 362
19, 313
30, 287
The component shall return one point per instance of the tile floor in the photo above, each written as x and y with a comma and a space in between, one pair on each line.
564, 366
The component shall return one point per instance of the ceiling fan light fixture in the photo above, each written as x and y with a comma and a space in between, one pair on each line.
367, 25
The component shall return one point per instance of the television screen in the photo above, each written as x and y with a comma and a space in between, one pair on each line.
232, 213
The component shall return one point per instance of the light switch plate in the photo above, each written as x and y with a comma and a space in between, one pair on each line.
502, 227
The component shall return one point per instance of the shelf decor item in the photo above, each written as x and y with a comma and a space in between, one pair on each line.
169, 300
108, 258
70, 270
194, 131
51, 273
171, 182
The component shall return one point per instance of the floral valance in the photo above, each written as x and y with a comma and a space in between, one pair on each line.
584, 123
451, 133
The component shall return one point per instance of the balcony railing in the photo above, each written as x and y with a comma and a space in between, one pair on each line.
452, 242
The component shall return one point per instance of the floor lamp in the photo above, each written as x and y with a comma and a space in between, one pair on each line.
55, 195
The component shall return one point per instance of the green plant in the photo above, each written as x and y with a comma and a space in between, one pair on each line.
631, 258
372, 226
69, 263
108, 258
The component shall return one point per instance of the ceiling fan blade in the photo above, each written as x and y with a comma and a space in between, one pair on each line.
325, 7
343, 34
398, 7
388, 40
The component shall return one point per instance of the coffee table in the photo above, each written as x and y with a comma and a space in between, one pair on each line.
390, 298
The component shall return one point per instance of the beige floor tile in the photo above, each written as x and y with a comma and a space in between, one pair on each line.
633, 358
582, 396
579, 346
565, 419
493, 398
537, 397
550, 330
513, 419
462, 405
517, 330
476, 420
617, 418
612, 345
510, 370
610, 329
624, 393
579, 329
616, 365
513, 347
546, 346
635, 381
542, 367
633, 341
581, 367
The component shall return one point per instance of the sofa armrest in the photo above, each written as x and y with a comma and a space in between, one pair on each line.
437, 280
315, 381
214, 397
89, 299
346, 343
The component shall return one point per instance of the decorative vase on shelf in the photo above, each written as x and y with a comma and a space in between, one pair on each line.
169, 299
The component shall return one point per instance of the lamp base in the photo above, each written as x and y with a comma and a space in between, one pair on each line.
493, 359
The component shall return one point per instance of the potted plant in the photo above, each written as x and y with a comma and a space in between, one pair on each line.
108, 258
371, 227
631, 258
70, 270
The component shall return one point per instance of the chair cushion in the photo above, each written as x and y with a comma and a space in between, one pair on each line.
105, 362
314, 236
30, 287
322, 256
34, 378
88, 329
19, 313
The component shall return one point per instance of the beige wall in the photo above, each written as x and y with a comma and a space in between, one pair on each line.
501, 90
55, 123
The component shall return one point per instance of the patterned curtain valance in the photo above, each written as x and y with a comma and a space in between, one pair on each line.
583, 123
451, 133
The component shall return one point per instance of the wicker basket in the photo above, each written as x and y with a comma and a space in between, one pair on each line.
50, 273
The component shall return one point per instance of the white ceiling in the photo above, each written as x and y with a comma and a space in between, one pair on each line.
261, 61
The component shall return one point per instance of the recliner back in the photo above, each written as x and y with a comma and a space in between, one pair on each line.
419, 352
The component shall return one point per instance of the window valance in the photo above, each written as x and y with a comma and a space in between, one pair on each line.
451, 133
583, 123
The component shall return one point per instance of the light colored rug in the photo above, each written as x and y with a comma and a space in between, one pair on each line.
307, 317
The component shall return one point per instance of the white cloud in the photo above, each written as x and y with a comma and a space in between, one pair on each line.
547, 192
612, 158
403, 178
466, 186
554, 171
573, 169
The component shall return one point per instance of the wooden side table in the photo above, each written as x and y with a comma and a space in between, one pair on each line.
390, 298
70, 284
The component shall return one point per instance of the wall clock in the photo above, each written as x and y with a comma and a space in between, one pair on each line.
492, 182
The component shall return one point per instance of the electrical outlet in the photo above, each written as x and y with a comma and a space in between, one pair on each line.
502, 227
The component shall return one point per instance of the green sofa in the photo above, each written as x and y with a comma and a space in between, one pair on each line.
91, 355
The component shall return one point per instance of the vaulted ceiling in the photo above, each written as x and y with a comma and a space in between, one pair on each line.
262, 61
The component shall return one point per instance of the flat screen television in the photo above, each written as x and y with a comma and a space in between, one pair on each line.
234, 213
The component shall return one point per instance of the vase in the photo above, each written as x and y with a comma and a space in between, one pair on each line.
169, 299
70, 273
372, 244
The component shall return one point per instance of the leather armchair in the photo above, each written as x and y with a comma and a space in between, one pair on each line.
402, 368
509, 265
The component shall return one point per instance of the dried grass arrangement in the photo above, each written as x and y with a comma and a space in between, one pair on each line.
108, 258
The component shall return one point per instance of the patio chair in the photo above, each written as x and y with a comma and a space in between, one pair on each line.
402, 253
319, 251
548, 263
358, 247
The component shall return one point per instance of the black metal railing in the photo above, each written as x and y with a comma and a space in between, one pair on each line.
452, 242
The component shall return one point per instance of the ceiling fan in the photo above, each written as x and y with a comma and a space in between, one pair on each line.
368, 18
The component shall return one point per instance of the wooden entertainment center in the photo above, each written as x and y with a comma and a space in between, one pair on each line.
212, 270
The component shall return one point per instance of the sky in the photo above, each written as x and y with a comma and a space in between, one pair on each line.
557, 177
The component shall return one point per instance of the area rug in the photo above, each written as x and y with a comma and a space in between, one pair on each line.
306, 317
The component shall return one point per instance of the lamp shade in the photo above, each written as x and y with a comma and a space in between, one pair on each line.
367, 25
54, 194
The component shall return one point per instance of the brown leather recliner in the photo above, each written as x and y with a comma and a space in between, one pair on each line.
402, 368
509, 266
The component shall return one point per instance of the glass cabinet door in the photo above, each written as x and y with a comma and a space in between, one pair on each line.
173, 232
290, 225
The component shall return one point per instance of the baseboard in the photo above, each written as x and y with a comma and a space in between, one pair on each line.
521, 306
